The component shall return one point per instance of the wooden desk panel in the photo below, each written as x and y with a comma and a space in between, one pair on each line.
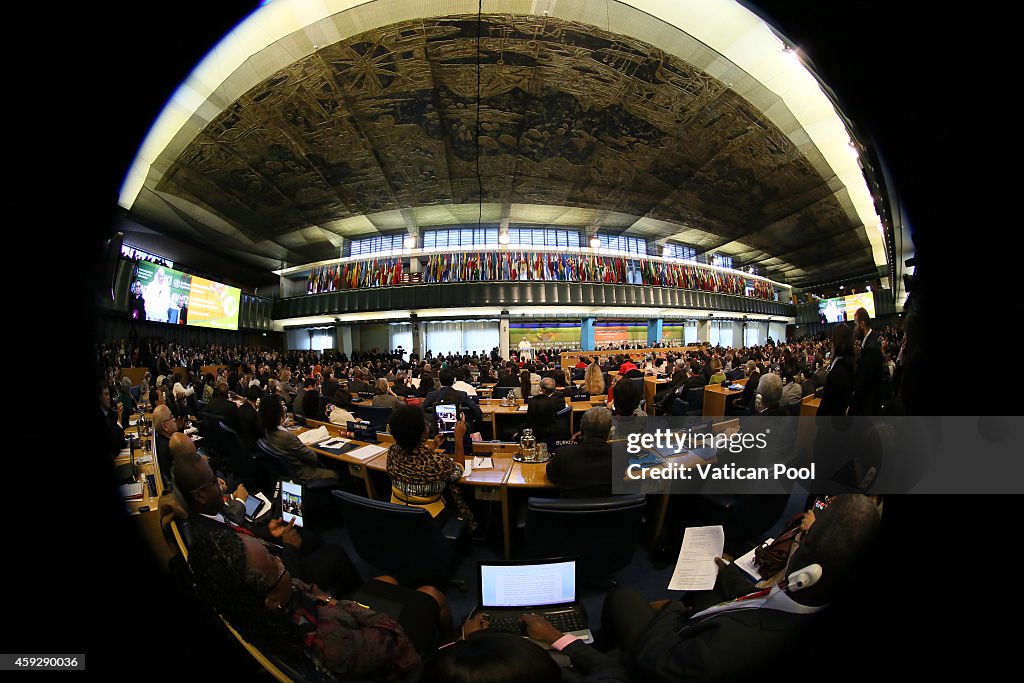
651, 385
715, 398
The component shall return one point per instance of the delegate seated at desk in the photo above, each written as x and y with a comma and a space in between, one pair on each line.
584, 469
304, 460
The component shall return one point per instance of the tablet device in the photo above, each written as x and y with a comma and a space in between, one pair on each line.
291, 502
446, 417
255, 507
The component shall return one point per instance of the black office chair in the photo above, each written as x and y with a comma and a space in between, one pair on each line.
402, 540
230, 454
601, 532
321, 512
377, 417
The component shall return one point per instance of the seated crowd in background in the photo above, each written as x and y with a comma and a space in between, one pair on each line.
301, 602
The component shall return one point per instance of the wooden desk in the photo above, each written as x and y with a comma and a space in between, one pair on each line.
716, 396
651, 384
809, 406
807, 429
356, 467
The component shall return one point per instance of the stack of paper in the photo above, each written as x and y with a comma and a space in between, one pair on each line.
131, 491
366, 452
746, 563
696, 569
314, 436
482, 463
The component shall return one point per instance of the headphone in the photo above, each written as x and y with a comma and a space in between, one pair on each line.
803, 578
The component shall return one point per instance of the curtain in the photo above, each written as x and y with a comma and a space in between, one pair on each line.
690, 333
751, 335
323, 339
460, 337
400, 335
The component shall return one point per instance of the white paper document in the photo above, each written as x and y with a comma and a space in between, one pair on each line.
131, 491
366, 452
314, 436
523, 408
482, 463
746, 563
696, 569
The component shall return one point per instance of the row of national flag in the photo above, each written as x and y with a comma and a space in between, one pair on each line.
354, 275
511, 266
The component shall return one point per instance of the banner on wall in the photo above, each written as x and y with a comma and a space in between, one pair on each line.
611, 334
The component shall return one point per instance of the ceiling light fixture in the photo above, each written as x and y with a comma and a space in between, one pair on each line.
595, 242
410, 242
503, 237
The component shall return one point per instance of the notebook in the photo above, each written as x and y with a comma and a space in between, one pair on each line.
543, 587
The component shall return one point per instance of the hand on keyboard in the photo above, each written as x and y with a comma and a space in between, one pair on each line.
539, 628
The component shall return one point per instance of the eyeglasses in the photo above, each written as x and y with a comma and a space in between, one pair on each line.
284, 570
212, 482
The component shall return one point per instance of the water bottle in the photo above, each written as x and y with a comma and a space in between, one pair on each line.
528, 445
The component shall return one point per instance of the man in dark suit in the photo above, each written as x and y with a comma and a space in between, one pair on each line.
111, 421
733, 632
446, 394
223, 408
745, 402
358, 384
867, 383
249, 427
541, 410
695, 380
304, 553
584, 470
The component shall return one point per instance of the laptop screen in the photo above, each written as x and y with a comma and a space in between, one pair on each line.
527, 585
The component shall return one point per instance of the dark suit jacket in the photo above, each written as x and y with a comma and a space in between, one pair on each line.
835, 399
249, 427
582, 470
459, 398
540, 413
729, 646
299, 455
226, 410
866, 398
750, 390
113, 431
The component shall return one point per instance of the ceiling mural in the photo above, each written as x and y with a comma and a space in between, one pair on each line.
569, 115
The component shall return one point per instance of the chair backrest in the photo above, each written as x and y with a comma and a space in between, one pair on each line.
601, 532
399, 539
695, 399
280, 467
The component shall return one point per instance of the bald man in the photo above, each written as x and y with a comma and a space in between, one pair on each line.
164, 427
542, 409
584, 469
304, 553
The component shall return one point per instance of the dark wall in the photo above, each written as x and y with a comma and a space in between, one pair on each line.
111, 327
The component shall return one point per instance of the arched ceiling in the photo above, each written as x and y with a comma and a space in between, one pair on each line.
514, 118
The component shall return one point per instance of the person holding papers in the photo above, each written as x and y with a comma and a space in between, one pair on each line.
737, 630
304, 460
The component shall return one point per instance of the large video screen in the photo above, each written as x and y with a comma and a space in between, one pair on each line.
841, 309
163, 295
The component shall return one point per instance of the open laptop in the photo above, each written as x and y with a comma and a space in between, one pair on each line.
543, 587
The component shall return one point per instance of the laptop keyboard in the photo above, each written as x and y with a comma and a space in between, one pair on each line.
565, 622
